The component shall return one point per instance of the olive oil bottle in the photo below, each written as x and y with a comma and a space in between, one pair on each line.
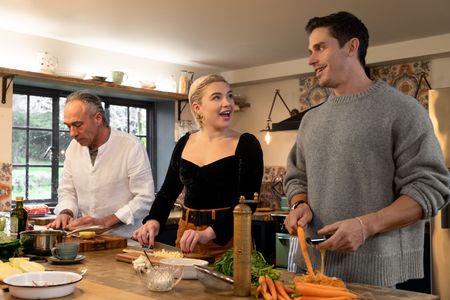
19, 218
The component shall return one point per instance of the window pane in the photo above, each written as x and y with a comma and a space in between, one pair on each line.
39, 183
143, 141
19, 146
64, 141
40, 144
41, 112
60, 173
18, 182
19, 110
118, 117
62, 102
138, 121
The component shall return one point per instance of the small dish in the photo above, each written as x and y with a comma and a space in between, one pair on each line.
42, 285
58, 261
150, 85
99, 78
187, 264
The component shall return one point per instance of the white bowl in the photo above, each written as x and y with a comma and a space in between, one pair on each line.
42, 285
189, 271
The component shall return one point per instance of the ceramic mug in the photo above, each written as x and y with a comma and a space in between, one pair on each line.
65, 251
118, 77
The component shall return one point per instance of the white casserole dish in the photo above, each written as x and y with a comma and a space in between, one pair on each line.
189, 271
42, 285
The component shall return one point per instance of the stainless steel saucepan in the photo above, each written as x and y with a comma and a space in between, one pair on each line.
41, 242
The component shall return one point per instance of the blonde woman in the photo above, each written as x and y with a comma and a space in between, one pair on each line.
215, 165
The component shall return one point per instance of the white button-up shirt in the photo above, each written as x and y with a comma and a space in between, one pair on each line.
120, 182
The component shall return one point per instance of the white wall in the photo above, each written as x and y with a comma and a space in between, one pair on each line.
22, 49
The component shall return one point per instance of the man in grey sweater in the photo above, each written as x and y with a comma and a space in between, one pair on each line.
366, 167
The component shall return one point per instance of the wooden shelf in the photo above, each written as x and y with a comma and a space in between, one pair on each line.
102, 88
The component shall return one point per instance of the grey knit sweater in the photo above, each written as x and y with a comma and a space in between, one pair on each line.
357, 154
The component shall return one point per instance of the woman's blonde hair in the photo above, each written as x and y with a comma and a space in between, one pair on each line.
196, 92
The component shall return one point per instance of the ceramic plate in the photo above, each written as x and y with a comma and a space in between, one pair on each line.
58, 261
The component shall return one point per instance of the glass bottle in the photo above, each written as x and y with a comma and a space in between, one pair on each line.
183, 82
19, 218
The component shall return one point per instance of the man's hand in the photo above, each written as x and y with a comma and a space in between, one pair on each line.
147, 233
108, 221
300, 216
347, 235
191, 237
61, 221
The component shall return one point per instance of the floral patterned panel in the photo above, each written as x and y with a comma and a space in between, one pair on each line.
404, 77
5, 186
311, 93
272, 187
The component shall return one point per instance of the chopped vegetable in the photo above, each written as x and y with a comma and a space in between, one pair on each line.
259, 267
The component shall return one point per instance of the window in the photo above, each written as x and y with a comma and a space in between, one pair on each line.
40, 138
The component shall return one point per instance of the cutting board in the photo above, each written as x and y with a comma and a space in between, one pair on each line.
100, 242
129, 255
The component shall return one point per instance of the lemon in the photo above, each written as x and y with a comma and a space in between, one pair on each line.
30, 266
15, 261
87, 234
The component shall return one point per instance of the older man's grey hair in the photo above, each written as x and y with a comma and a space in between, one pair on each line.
93, 101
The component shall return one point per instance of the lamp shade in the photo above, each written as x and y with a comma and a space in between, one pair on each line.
293, 122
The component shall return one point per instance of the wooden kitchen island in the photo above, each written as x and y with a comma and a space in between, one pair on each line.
109, 279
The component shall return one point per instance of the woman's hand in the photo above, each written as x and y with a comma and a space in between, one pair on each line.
191, 237
147, 233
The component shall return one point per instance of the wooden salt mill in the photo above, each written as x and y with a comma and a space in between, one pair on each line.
242, 247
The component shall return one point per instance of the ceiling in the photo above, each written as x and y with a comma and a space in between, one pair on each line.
224, 35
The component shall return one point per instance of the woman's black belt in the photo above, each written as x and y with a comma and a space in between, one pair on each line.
204, 216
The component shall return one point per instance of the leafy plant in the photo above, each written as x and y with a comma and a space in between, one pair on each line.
259, 266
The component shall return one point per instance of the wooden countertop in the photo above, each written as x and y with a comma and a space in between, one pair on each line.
107, 278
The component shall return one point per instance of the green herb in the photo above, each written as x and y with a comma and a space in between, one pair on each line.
259, 267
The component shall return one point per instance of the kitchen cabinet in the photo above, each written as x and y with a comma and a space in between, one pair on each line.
104, 88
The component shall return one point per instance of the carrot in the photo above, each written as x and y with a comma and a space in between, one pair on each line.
264, 292
322, 286
320, 291
322, 298
304, 248
258, 291
281, 291
288, 290
271, 286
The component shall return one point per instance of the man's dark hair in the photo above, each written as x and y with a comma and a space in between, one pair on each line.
343, 26
93, 101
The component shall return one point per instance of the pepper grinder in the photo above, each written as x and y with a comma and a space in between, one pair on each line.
242, 247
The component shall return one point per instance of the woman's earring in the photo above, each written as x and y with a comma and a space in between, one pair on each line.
199, 117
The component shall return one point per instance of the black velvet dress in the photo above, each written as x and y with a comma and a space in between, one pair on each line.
216, 185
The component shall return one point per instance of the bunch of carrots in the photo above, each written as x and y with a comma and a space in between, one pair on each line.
272, 290
319, 286
276, 290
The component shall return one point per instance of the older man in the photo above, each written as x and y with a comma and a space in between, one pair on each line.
107, 175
